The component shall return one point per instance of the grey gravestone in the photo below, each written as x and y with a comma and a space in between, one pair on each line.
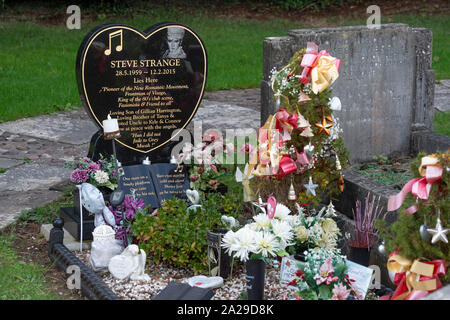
386, 84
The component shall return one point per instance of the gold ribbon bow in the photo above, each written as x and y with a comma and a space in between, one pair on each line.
413, 271
323, 74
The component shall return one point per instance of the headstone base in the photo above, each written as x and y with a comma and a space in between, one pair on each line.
73, 226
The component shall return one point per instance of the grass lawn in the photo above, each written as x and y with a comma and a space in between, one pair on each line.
20, 280
441, 123
37, 62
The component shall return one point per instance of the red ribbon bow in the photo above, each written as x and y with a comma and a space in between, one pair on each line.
400, 280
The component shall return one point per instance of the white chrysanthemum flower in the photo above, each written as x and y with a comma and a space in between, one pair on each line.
282, 212
253, 226
262, 221
266, 244
230, 240
245, 244
327, 243
101, 177
283, 231
330, 228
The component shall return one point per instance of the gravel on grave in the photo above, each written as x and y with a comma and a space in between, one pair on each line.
162, 274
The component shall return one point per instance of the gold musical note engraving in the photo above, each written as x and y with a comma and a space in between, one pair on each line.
112, 35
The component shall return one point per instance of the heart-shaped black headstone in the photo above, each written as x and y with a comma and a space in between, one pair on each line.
151, 81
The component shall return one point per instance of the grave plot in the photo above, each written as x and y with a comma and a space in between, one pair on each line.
284, 214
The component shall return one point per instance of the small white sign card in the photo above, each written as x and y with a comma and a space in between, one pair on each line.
362, 276
288, 269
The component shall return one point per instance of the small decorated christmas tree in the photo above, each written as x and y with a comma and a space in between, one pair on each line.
300, 154
418, 240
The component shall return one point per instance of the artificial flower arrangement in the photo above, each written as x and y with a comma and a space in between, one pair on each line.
318, 230
207, 158
124, 215
99, 173
322, 277
262, 239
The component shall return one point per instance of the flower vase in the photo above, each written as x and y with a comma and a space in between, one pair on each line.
359, 255
255, 278
219, 261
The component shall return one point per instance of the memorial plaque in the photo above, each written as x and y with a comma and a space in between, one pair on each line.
169, 182
138, 178
151, 81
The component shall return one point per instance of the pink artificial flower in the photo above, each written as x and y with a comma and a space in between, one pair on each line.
229, 148
246, 148
326, 273
214, 168
212, 135
213, 182
340, 292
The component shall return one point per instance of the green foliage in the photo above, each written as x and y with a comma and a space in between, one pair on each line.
404, 234
178, 237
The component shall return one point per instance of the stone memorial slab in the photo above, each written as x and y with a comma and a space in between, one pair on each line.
169, 181
139, 179
385, 82
151, 81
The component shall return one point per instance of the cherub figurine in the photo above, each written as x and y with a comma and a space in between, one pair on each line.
129, 264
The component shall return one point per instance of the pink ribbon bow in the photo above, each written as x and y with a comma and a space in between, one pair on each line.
286, 123
419, 187
309, 61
